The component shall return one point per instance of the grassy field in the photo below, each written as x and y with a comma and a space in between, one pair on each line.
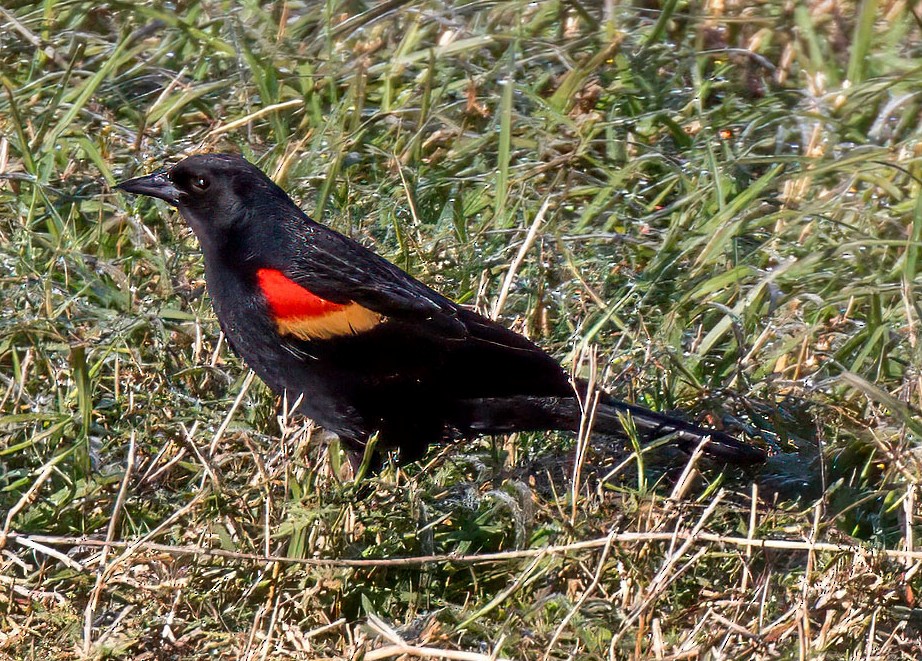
715, 209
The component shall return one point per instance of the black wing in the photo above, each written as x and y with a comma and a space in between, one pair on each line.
341, 270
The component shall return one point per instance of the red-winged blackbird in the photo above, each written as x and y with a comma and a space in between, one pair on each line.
371, 349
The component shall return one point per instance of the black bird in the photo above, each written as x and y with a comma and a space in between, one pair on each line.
371, 349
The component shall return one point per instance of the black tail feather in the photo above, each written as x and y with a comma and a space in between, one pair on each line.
653, 425
527, 413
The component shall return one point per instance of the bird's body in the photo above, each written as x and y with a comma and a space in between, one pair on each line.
367, 348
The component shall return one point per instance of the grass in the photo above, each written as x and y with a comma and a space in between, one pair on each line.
725, 218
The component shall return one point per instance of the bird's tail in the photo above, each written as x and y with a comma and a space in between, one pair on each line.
529, 413
610, 414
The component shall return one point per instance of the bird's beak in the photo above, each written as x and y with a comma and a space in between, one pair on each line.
156, 185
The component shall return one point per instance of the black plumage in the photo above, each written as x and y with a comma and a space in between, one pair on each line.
368, 348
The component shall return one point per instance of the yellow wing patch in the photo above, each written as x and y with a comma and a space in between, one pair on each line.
350, 319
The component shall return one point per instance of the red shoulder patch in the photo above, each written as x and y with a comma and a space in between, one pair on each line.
300, 312
289, 299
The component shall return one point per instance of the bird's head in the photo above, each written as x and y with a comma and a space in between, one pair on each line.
217, 194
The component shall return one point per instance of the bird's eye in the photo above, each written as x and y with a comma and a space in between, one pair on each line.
199, 184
